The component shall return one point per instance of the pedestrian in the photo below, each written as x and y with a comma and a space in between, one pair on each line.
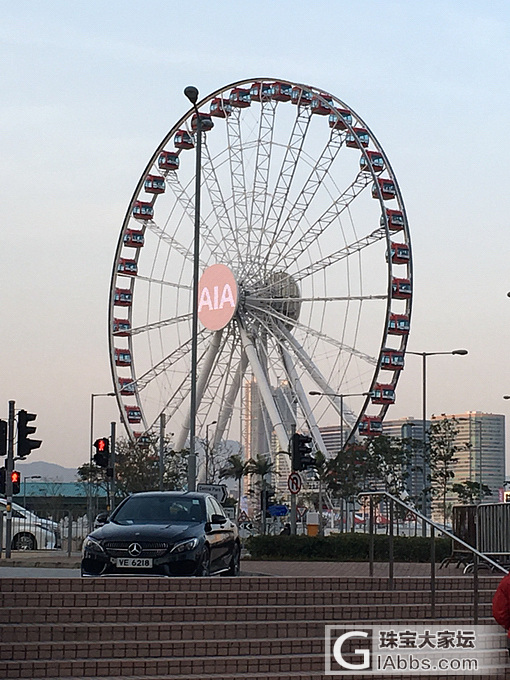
286, 530
501, 606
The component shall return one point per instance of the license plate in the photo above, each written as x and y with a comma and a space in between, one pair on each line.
134, 562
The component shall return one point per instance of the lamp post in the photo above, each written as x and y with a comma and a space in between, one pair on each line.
25, 487
424, 355
207, 450
91, 444
191, 93
341, 397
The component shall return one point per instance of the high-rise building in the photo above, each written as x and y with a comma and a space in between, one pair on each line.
481, 454
417, 474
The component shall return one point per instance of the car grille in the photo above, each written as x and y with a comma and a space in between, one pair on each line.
149, 548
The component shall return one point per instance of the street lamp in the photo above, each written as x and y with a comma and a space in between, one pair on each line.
207, 450
341, 397
424, 355
191, 93
25, 487
91, 445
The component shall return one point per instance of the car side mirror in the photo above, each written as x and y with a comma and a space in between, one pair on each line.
102, 518
218, 519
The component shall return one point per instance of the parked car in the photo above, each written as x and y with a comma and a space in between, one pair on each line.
171, 533
29, 532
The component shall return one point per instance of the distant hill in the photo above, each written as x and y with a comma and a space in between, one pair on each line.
50, 472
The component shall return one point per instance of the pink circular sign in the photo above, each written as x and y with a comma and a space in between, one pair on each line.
217, 297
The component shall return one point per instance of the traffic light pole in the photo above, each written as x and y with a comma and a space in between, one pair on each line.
293, 513
112, 465
9, 467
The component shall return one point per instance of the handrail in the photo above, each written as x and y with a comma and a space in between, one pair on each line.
436, 526
433, 526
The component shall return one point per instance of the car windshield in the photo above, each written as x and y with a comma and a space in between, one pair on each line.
159, 510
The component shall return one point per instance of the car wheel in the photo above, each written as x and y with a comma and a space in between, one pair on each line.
24, 542
205, 563
234, 567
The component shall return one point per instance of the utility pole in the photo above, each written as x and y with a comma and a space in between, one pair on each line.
9, 467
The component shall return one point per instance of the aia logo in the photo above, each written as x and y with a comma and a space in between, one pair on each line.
217, 297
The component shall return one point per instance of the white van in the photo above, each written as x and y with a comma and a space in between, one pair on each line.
29, 532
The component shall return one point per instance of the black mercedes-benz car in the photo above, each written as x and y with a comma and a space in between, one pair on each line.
164, 532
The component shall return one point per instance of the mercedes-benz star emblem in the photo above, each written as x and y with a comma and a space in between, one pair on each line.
135, 549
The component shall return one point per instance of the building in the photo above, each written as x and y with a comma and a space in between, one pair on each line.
481, 451
411, 430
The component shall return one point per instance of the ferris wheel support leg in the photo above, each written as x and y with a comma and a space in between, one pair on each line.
264, 389
347, 415
228, 405
294, 380
203, 379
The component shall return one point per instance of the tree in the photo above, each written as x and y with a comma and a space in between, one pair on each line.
442, 449
137, 468
236, 468
262, 466
469, 492
321, 468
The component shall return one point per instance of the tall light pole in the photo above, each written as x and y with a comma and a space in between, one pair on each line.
25, 487
207, 450
191, 93
341, 397
91, 445
424, 355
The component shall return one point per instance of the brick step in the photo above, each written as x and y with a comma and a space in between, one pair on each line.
364, 612
85, 632
239, 584
282, 667
237, 599
191, 648
164, 666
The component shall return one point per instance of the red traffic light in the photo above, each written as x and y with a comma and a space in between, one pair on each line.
102, 445
16, 481
102, 454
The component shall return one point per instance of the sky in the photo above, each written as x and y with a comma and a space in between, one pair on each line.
89, 89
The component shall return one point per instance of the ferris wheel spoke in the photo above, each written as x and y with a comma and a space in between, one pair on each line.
334, 258
203, 377
229, 397
255, 301
294, 380
261, 179
320, 170
316, 375
308, 330
187, 203
238, 180
287, 172
164, 323
219, 213
170, 241
331, 215
162, 282
264, 388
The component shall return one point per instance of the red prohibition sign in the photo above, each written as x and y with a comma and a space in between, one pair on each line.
294, 482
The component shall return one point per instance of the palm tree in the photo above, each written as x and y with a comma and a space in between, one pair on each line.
261, 467
236, 468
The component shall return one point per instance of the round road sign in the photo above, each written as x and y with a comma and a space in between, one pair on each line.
294, 482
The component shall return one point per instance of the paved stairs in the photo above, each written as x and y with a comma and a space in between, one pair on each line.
246, 628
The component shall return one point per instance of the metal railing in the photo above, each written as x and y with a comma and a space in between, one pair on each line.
477, 555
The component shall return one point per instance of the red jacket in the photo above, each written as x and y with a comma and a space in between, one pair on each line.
501, 603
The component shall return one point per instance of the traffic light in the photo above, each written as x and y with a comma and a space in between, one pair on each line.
301, 452
3, 438
2, 481
102, 454
16, 481
26, 445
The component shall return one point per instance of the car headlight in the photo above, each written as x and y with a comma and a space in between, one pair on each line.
184, 546
92, 545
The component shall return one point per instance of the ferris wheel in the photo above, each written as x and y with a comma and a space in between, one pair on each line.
305, 255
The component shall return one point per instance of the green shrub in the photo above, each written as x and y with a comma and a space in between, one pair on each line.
348, 547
